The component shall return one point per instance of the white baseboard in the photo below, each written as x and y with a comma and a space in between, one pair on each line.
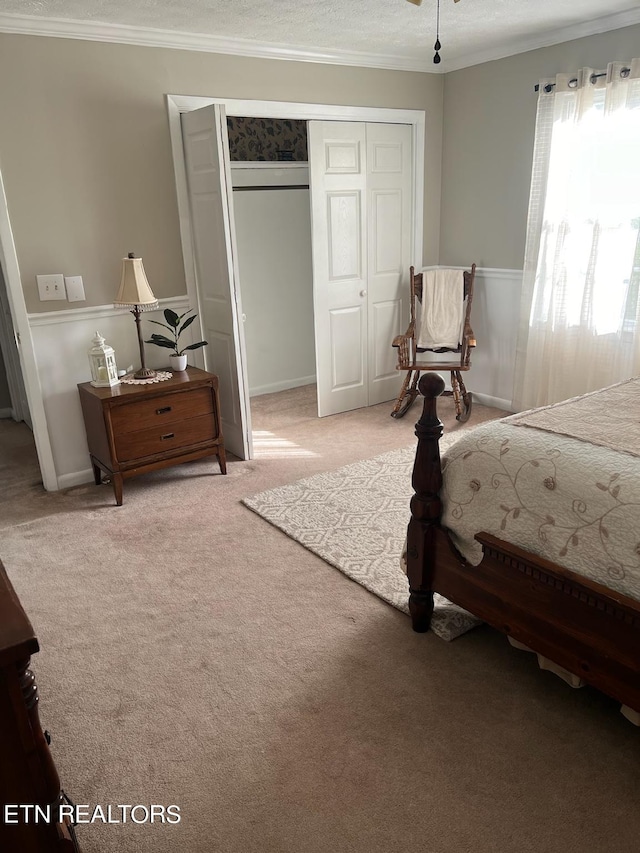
6, 413
495, 402
285, 385
76, 478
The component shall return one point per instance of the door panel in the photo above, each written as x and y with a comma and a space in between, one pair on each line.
343, 157
343, 252
387, 157
209, 188
387, 317
337, 154
346, 347
386, 210
222, 356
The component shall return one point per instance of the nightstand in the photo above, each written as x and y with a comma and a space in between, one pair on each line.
133, 429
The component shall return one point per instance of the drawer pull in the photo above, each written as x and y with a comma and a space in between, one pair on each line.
163, 411
168, 435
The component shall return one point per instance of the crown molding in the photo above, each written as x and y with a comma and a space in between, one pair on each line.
152, 37
547, 39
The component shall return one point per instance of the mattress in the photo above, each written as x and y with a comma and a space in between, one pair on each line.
562, 482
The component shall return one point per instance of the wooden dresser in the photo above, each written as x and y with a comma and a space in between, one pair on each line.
27, 772
133, 429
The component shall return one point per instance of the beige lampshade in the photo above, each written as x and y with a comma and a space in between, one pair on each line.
134, 286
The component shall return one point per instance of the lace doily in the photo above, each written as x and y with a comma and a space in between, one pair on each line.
160, 376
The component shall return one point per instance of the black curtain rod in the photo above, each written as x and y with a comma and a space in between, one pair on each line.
548, 87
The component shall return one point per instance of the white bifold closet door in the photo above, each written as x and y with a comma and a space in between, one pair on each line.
361, 216
204, 134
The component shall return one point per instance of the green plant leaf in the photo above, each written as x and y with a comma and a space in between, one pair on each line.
171, 317
164, 325
196, 346
161, 341
186, 323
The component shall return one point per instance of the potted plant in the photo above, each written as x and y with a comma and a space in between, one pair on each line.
176, 324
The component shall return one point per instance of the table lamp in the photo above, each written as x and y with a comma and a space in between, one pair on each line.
136, 294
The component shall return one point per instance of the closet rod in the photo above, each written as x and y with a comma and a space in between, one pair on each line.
273, 187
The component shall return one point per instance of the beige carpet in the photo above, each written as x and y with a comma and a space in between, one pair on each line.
192, 654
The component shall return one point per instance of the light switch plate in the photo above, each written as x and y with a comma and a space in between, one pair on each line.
51, 287
75, 288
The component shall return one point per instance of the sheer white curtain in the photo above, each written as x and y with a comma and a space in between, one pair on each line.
580, 318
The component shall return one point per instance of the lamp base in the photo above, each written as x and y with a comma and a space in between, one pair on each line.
144, 373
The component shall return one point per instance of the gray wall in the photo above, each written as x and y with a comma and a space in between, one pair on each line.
86, 159
488, 127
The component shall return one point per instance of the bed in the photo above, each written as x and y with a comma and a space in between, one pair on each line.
532, 524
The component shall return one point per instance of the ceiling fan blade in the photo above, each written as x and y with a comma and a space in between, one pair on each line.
418, 2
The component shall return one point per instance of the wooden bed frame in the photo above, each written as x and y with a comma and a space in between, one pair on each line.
591, 631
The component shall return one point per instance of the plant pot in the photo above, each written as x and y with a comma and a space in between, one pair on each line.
178, 362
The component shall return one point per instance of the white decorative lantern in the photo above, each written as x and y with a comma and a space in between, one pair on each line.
104, 373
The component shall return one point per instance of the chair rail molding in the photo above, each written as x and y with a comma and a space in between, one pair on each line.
96, 312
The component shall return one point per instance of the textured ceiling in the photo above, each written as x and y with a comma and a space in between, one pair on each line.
470, 31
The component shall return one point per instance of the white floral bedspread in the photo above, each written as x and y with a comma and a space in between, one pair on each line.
568, 500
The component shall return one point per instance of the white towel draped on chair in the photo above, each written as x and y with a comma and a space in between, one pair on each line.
442, 312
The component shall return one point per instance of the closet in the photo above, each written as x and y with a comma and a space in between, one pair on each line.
273, 237
361, 206
270, 180
360, 219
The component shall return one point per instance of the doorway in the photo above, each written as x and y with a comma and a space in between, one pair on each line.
13, 395
18, 458
287, 110
18, 353
270, 189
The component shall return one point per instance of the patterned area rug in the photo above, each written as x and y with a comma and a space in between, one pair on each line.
356, 519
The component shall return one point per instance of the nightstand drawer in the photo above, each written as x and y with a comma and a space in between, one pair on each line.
165, 438
161, 410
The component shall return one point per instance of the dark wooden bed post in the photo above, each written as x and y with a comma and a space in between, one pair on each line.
425, 505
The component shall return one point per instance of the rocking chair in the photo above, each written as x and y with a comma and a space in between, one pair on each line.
409, 353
